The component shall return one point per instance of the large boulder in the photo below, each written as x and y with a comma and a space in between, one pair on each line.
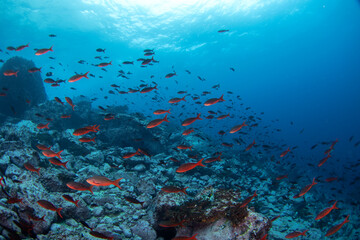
22, 91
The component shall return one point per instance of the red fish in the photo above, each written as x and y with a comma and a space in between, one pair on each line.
131, 154
169, 75
330, 179
212, 101
184, 147
104, 64
86, 139
166, 225
237, 127
306, 188
281, 177
188, 166
35, 218
274, 218
248, 200
189, 121
157, 122
187, 131
50, 153
70, 199
85, 130
70, 102
326, 211
49, 206
213, 159
158, 112
33, 70
2, 180
296, 234
176, 100
336, 228
79, 186
42, 126
250, 146
148, 89
227, 144
134, 200
57, 162
171, 189
100, 235
21, 47
65, 116
324, 160
58, 100
43, 51
77, 77
285, 152
223, 116
9, 73
186, 238
101, 181
31, 168
264, 237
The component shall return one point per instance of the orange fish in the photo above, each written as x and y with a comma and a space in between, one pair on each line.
306, 188
43, 147
9, 73
100, 235
250, 146
223, 116
21, 47
101, 181
158, 112
171, 189
285, 152
237, 127
14, 200
50, 153
148, 89
176, 100
248, 200
264, 237
166, 225
324, 160
336, 228
281, 177
330, 179
49, 206
86, 139
212, 101
2, 180
183, 147
70, 199
296, 234
213, 159
65, 116
31, 168
85, 130
326, 211
33, 70
79, 186
157, 122
186, 238
188, 166
70, 102
77, 77
59, 100
43, 51
42, 126
57, 162
104, 64
189, 121
131, 154
187, 131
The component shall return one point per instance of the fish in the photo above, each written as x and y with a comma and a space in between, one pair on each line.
43, 51
43, 147
171, 224
223, 30
2, 179
49, 153
133, 200
322, 161
189, 166
70, 102
42, 126
158, 112
148, 89
57, 162
128, 62
31, 168
52, 35
14, 200
247, 200
100, 235
172, 189
330, 179
79, 186
187, 131
336, 228
86, 225
189, 121
65, 116
101, 181
185, 238
281, 177
213, 159
184, 147
49, 206
9, 73
105, 64
85, 130
250, 146
101, 50
237, 127
35, 218
131, 154
296, 234
157, 122
326, 211
77, 77
70, 199
34, 69
86, 139
176, 100
212, 101
223, 116
306, 188
274, 218
285, 152
169, 75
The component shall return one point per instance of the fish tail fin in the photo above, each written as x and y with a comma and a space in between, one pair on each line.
85, 75
93, 139
76, 203
199, 163
194, 236
58, 211
90, 189
16, 73
183, 98
110, 63
47, 126
116, 182
347, 219
73, 106
43, 218
38, 171
190, 148
165, 118
255, 194
222, 98
64, 164
334, 206
40, 69
168, 110
184, 190
304, 232
51, 48
313, 183
58, 154
142, 204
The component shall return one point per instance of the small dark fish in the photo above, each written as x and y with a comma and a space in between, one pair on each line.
49, 74
223, 30
101, 50
52, 35
314, 146
232, 69
133, 200
86, 225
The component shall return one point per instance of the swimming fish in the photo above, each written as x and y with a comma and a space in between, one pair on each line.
212, 101
336, 228
326, 211
49, 206
296, 234
157, 122
101, 181
80, 186
188, 166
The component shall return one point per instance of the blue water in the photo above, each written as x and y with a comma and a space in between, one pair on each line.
296, 61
